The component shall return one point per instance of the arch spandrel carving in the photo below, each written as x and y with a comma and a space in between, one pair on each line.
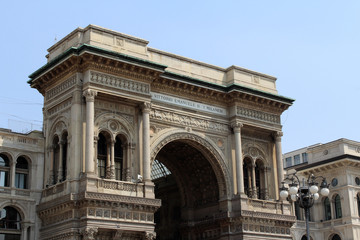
206, 146
114, 124
255, 151
58, 127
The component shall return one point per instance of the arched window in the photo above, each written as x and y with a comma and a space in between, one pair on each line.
336, 237
327, 209
337, 201
22, 172
4, 170
63, 161
260, 180
10, 218
259, 190
56, 156
102, 155
118, 158
358, 203
247, 177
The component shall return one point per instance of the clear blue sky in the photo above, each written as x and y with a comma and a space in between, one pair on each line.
312, 47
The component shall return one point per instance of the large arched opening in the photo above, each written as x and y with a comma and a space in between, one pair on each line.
190, 182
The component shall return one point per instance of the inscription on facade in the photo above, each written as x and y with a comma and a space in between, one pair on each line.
188, 104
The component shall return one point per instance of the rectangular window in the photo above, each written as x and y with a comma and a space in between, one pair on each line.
288, 161
4, 179
305, 157
102, 168
21, 180
297, 159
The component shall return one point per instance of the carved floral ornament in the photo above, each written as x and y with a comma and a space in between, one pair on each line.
149, 236
89, 233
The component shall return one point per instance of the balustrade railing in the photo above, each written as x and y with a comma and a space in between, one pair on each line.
17, 191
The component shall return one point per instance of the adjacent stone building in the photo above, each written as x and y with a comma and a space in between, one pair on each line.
337, 216
21, 184
143, 144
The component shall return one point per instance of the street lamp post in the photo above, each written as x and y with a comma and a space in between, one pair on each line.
304, 194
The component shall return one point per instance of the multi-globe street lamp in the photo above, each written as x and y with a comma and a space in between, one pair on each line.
304, 193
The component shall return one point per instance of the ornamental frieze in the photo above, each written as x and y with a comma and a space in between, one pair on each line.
67, 84
119, 83
114, 108
58, 108
257, 115
187, 121
118, 198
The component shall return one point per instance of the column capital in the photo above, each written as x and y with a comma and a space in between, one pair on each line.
149, 236
236, 125
277, 135
89, 233
51, 147
90, 95
146, 107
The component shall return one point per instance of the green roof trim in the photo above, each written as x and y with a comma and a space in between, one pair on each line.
85, 47
229, 88
159, 67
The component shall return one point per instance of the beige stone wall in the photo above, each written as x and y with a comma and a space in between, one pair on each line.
30, 146
129, 45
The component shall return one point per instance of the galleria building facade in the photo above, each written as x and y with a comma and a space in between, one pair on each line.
138, 143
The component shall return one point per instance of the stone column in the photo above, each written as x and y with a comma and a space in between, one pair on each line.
238, 157
12, 173
52, 159
89, 143
146, 141
76, 165
279, 161
108, 160
128, 159
61, 156
112, 158
250, 190
254, 191
266, 191
24, 231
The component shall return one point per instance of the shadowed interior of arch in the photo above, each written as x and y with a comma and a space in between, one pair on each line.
187, 185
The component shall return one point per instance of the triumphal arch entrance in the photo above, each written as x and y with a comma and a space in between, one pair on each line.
145, 144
